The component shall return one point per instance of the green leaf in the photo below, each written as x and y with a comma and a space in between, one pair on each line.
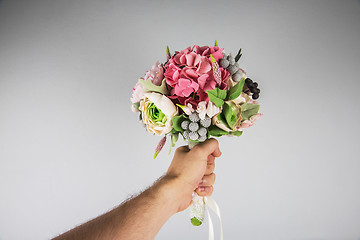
177, 120
136, 106
230, 116
195, 221
213, 60
236, 133
174, 138
248, 110
238, 56
217, 96
150, 87
216, 132
236, 90
168, 55
181, 106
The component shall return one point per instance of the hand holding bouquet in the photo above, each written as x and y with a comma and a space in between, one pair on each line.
197, 93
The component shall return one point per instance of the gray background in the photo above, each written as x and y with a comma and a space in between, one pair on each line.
71, 149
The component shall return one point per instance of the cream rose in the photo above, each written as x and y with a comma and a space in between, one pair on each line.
157, 112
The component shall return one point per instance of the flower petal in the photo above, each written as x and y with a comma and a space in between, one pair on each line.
204, 66
202, 80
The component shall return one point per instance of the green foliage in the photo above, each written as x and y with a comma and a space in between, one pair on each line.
217, 96
236, 90
216, 132
231, 114
168, 54
177, 120
181, 106
236, 133
137, 106
238, 56
213, 60
248, 110
174, 138
196, 222
150, 87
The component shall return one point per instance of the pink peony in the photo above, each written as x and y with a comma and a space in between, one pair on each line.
190, 74
155, 74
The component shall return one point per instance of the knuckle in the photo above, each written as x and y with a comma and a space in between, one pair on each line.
213, 177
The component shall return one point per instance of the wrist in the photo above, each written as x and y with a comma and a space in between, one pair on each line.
177, 191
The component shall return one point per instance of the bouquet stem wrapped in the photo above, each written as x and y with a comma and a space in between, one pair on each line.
197, 207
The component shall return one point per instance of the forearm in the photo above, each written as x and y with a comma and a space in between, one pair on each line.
139, 218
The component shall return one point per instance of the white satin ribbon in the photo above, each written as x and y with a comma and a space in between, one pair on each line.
210, 202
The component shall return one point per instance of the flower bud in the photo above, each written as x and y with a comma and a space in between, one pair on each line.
193, 136
193, 126
185, 125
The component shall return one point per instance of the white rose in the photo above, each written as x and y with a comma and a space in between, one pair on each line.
157, 112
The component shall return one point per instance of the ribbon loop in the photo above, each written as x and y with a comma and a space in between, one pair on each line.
210, 203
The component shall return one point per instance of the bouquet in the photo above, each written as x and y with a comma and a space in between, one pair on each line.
197, 93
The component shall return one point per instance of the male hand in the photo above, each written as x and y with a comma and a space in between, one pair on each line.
153, 207
193, 170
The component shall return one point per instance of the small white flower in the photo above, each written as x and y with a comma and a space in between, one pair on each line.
201, 109
212, 109
188, 109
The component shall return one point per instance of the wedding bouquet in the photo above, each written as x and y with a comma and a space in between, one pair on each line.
197, 93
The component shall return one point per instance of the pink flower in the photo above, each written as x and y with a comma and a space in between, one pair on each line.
185, 87
245, 124
250, 122
137, 94
256, 117
155, 74
206, 51
190, 74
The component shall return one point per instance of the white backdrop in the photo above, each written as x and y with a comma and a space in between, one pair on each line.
71, 149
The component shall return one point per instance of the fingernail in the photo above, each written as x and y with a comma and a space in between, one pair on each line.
202, 189
201, 181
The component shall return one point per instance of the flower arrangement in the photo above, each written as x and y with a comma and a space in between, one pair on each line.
197, 93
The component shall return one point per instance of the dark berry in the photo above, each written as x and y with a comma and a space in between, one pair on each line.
247, 81
255, 84
255, 90
255, 96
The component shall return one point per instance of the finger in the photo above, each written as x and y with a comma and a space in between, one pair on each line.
209, 168
210, 146
207, 180
204, 191
183, 149
211, 159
